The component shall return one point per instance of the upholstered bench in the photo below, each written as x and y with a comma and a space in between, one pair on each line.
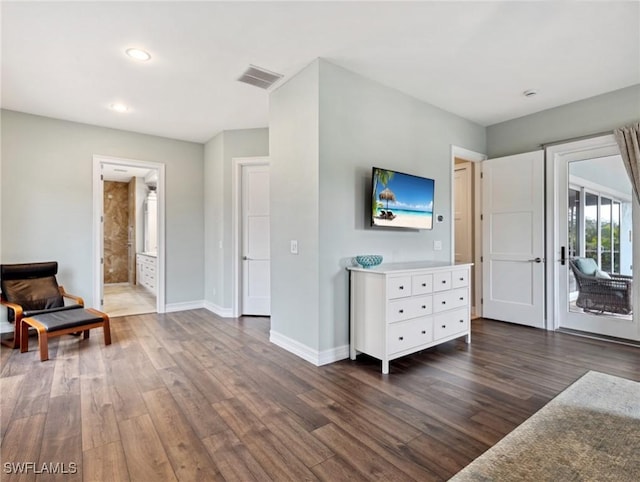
60, 323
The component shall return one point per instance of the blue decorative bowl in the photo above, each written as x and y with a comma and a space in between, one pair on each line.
369, 260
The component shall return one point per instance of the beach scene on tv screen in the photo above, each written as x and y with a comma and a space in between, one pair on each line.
402, 200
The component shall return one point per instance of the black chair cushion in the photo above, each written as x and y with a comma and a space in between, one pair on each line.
28, 270
59, 320
34, 293
32, 313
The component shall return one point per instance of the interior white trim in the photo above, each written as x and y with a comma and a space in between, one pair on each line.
475, 157
184, 306
218, 310
98, 162
317, 358
236, 227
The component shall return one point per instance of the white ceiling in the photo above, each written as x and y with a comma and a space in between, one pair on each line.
124, 173
66, 60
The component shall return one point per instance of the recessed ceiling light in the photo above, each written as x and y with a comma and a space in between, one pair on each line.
119, 107
530, 93
138, 54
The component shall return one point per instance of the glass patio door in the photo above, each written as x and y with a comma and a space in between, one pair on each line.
595, 240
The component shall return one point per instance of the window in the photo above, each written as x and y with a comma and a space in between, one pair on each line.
601, 234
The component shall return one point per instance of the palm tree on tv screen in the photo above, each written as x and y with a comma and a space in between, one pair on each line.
384, 177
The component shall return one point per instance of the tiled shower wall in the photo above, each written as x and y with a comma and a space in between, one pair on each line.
116, 232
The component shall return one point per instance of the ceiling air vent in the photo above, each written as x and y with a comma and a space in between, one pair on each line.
259, 77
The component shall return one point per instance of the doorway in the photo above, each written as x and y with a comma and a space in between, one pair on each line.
466, 231
594, 214
251, 237
128, 236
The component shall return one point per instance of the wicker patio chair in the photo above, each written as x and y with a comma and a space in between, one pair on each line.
599, 291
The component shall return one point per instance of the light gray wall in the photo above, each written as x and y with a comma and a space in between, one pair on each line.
365, 124
293, 140
590, 116
213, 220
218, 168
328, 127
47, 201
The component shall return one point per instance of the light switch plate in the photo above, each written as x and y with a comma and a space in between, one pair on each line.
437, 245
294, 246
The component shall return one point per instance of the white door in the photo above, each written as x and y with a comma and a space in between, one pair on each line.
256, 263
594, 219
513, 238
462, 213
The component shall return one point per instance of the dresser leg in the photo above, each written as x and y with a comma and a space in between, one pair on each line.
352, 352
385, 367
467, 338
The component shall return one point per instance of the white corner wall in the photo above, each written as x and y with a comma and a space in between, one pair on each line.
365, 124
219, 153
328, 127
293, 140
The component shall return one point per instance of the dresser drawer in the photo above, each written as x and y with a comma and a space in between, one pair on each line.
450, 323
400, 309
421, 284
398, 287
409, 334
410, 307
421, 305
450, 299
460, 278
442, 281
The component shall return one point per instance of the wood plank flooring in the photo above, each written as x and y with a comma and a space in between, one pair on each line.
191, 397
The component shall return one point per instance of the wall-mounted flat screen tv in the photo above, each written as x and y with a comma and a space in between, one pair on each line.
401, 200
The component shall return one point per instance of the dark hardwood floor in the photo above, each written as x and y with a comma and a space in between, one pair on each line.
189, 396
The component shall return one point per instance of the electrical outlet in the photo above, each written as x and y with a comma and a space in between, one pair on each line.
437, 245
294, 246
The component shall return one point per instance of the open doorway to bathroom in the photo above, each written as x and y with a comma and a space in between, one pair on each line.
128, 236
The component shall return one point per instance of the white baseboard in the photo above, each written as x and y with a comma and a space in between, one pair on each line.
183, 306
333, 355
218, 310
314, 357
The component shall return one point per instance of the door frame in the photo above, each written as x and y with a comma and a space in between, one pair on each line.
600, 146
236, 227
98, 237
476, 158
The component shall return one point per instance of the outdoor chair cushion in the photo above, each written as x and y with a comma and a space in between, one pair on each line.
587, 266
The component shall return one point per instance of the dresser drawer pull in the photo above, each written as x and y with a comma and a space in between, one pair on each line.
424, 285
401, 287
424, 307
462, 298
401, 338
444, 302
461, 321
444, 281
400, 311
424, 332
444, 326
461, 279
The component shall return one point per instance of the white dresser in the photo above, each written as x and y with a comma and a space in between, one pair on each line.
401, 308
146, 271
